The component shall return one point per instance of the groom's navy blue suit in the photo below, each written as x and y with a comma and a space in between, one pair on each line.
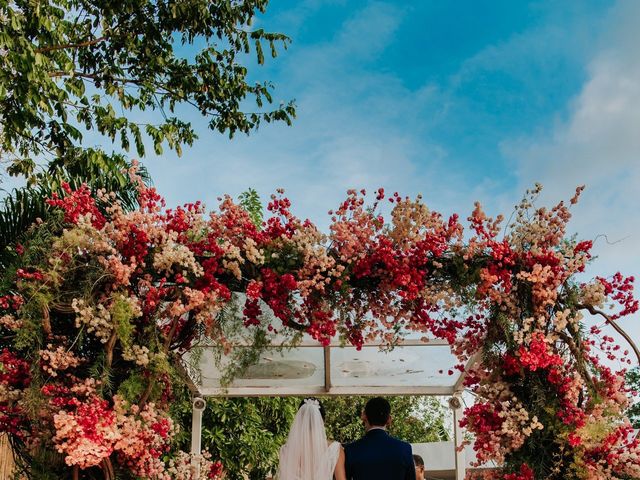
379, 456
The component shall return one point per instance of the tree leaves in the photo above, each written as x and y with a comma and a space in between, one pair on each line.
66, 63
250, 201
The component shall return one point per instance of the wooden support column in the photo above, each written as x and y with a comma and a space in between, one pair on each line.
327, 369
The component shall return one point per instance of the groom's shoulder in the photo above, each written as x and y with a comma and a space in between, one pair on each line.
355, 443
398, 441
385, 439
399, 445
358, 445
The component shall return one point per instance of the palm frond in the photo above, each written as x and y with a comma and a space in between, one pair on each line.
23, 206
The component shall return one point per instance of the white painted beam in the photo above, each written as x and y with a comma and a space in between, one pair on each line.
303, 390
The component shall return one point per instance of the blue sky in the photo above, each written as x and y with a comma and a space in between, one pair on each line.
460, 101
405, 95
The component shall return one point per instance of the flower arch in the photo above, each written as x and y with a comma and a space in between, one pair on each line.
99, 303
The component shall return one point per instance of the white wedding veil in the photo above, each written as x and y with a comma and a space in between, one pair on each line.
306, 455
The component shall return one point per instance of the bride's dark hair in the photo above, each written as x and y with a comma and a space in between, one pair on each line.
322, 413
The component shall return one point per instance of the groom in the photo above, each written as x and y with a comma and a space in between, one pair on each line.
377, 455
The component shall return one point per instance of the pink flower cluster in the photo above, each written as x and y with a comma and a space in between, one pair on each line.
89, 430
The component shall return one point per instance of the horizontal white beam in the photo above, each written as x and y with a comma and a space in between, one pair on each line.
320, 390
310, 342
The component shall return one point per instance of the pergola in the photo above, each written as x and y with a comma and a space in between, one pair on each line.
416, 366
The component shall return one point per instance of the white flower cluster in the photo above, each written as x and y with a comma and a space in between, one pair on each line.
517, 421
232, 258
54, 361
593, 294
182, 466
254, 254
174, 254
566, 317
83, 238
137, 354
97, 320
10, 322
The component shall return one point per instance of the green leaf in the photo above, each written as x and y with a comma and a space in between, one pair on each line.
127, 57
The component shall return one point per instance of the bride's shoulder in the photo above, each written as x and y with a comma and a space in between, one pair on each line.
334, 444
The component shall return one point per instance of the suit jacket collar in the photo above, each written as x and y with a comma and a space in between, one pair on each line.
376, 431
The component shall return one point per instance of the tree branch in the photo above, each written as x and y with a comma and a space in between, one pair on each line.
46, 322
88, 43
109, 348
579, 358
94, 76
594, 311
147, 392
107, 467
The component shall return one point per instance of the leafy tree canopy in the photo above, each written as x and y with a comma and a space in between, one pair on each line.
68, 64
414, 419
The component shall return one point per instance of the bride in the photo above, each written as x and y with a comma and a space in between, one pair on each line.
308, 455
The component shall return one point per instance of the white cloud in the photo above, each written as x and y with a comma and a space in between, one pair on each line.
598, 145
357, 128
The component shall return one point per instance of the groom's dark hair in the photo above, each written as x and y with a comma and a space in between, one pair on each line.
377, 411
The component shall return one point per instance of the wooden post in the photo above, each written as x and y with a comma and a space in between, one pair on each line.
7, 462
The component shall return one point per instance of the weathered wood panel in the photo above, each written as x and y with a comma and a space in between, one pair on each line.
6, 458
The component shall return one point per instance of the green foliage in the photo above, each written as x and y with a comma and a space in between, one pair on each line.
121, 315
633, 383
250, 201
132, 387
247, 433
414, 419
22, 207
68, 64
17, 212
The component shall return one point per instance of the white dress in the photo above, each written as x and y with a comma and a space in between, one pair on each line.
333, 452
306, 455
325, 467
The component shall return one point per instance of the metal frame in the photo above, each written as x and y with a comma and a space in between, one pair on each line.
454, 391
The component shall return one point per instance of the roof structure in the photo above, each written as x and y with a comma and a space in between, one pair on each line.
413, 367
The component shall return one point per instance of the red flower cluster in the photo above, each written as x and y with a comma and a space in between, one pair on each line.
11, 302
34, 275
525, 473
14, 375
77, 203
538, 354
620, 290
14, 371
136, 244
